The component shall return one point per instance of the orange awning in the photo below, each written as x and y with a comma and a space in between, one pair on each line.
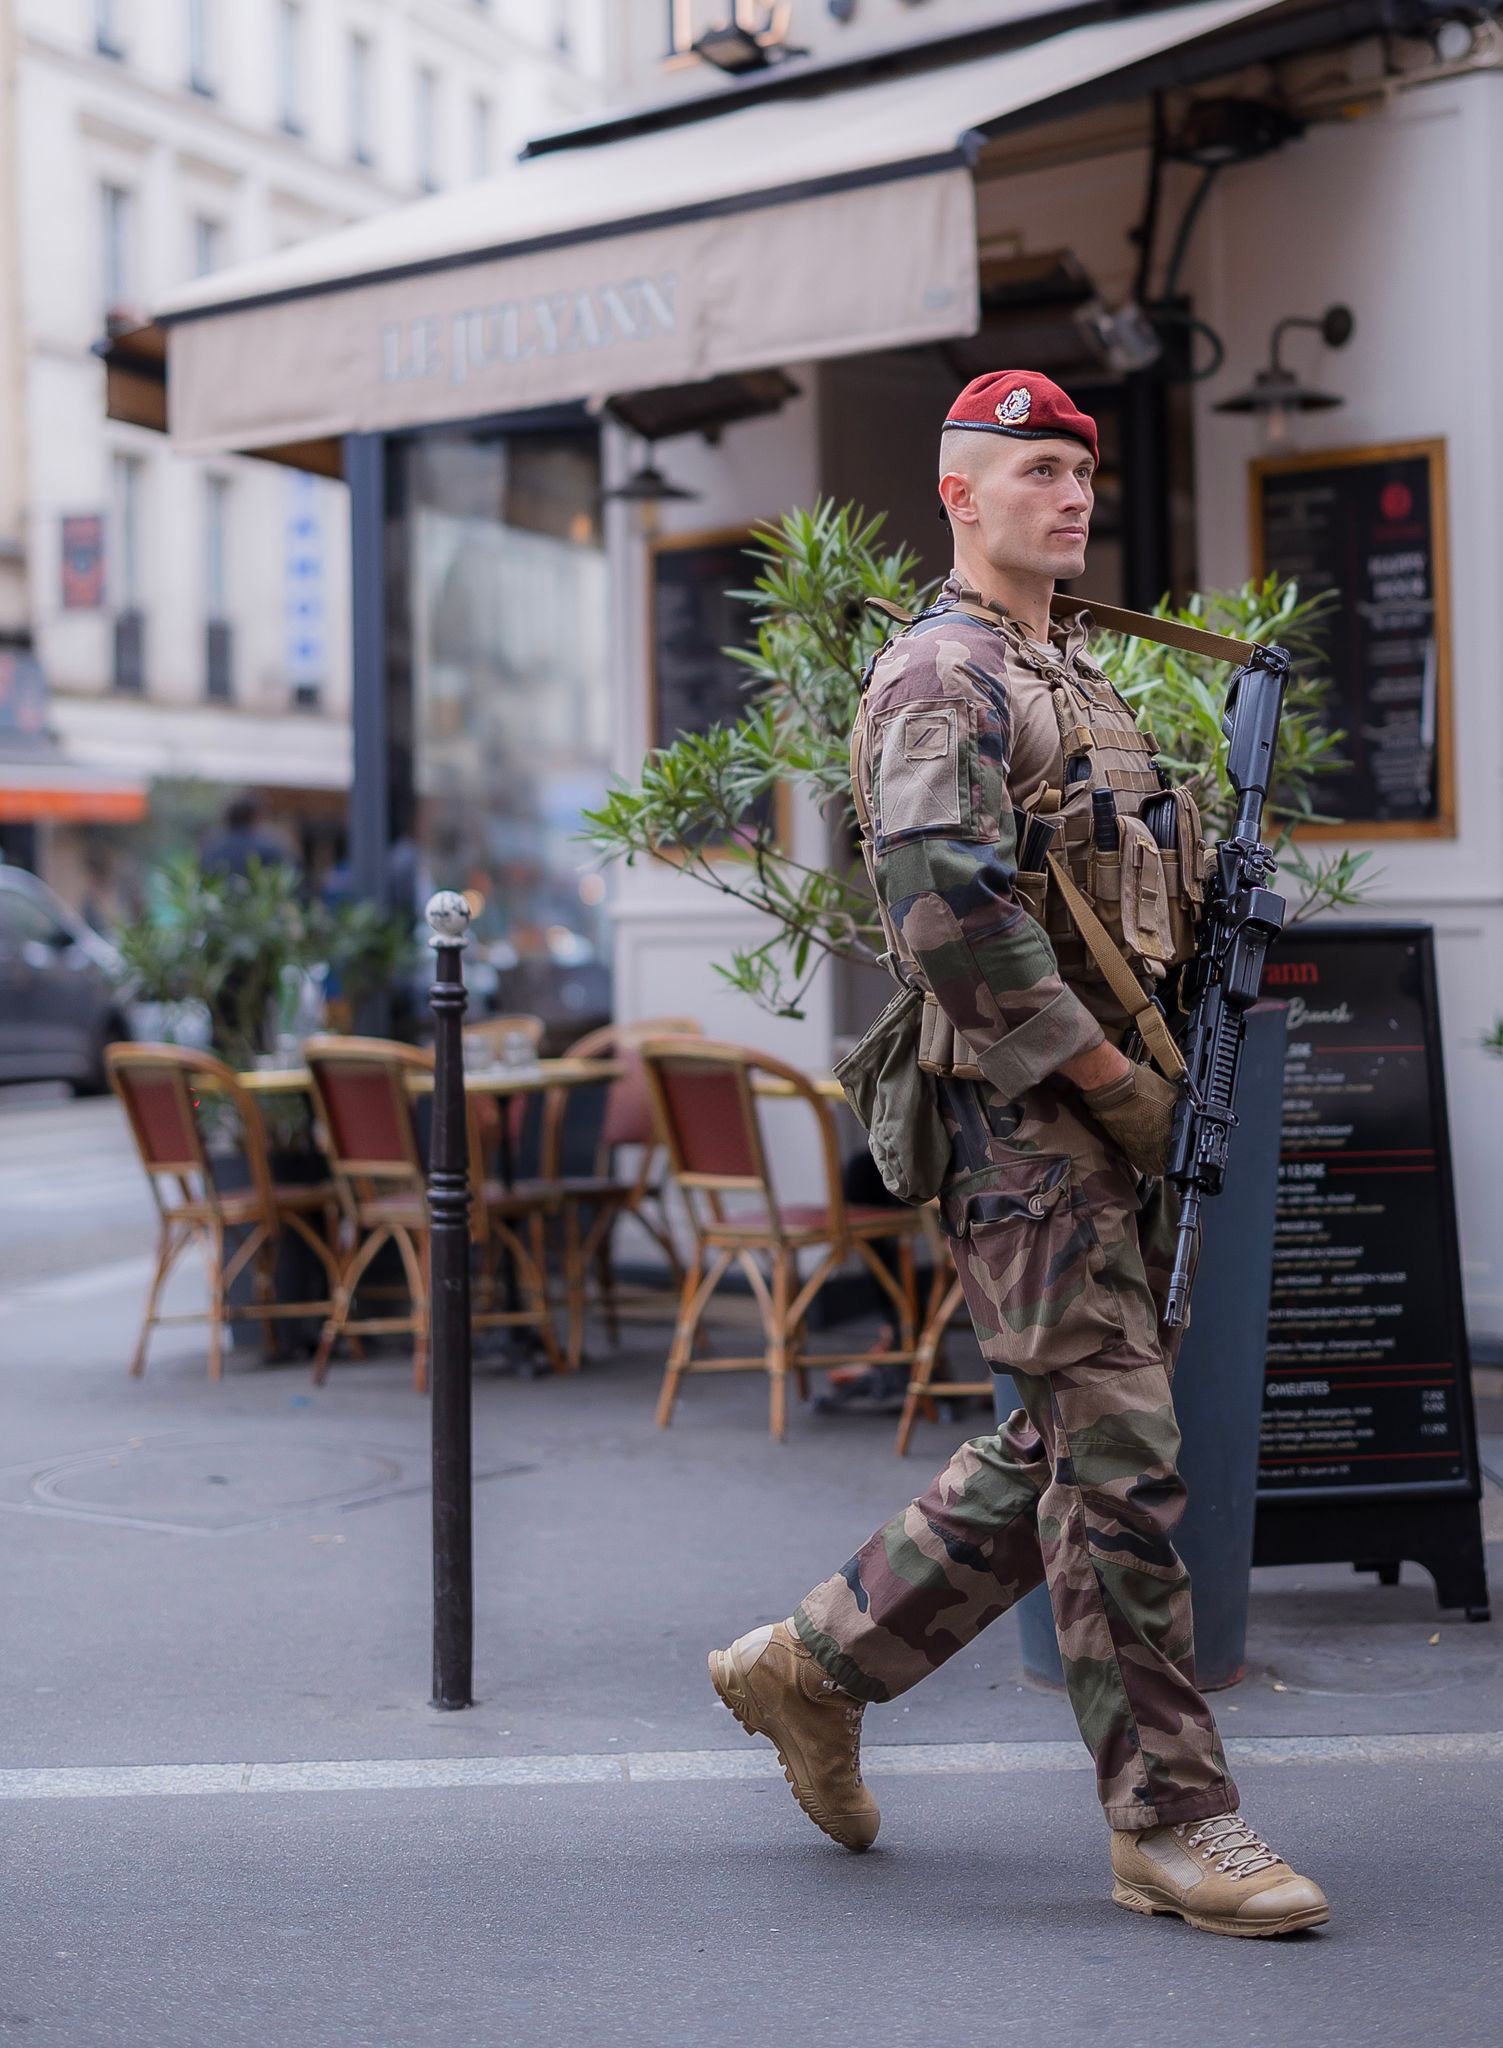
62, 796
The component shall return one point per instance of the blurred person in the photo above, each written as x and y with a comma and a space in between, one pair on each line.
241, 839
984, 723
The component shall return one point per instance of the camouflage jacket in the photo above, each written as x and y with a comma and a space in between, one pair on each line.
949, 742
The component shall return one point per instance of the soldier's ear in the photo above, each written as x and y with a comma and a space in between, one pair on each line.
956, 498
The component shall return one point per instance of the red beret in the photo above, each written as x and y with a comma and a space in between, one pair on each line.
1025, 405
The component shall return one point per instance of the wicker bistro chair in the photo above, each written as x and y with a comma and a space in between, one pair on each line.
365, 1106
590, 1205
947, 1301
158, 1086
708, 1116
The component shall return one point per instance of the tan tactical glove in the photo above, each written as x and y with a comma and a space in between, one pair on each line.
1138, 1112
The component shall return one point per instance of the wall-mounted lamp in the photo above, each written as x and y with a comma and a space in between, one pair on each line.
646, 485
1276, 393
731, 48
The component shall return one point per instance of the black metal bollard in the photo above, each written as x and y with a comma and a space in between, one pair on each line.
449, 1288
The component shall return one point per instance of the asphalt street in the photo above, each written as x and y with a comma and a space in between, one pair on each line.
222, 1582
677, 1916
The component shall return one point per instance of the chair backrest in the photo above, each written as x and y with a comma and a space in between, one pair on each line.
365, 1107
159, 1087
707, 1114
578, 1127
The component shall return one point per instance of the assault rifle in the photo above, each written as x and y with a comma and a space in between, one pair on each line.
1242, 918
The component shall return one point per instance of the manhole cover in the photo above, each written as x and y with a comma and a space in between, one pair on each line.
208, 1486
1392, 1673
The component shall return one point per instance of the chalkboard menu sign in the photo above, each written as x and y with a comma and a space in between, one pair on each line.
1369, 525
1366, 1381
1368, 1446
695, 684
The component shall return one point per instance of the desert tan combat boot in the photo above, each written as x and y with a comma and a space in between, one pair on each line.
774, 1687
1216, 1874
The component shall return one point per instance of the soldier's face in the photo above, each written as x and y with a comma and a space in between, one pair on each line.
1030, 503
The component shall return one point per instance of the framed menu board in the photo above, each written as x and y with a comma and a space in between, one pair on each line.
1368, 1448
693, 683
1369, 524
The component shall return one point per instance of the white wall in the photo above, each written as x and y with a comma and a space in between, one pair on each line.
670, 929
1396, 216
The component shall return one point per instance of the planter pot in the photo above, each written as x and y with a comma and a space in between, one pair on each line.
299, 1274
1218, 1383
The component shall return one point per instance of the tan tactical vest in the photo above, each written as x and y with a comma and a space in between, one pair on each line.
1120, 908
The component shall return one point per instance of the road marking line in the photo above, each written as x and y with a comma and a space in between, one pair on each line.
689, 1766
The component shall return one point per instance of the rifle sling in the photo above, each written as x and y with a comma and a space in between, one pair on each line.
1115, 618
1167, 632
1151, 1023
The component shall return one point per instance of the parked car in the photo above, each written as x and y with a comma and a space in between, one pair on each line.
59, 1004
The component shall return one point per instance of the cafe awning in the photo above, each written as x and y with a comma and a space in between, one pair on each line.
58, 792
804, 227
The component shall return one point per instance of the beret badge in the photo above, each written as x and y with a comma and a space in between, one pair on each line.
1014, 409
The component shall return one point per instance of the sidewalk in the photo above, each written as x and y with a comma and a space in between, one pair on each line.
237, 1575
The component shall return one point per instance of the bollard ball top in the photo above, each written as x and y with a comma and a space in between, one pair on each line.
448, 918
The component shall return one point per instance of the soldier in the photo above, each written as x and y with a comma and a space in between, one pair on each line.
999, 782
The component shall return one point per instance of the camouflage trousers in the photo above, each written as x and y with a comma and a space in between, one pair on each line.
1063, 1257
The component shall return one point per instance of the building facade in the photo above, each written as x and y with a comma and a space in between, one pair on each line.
189, 621
876, 232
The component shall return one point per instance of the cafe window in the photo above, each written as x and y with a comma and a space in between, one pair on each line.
500, 715
109, 28
125, 573
480, 136
360, 70
201, 47
425, 127
289, 66
116, 225
208, 245
125, 538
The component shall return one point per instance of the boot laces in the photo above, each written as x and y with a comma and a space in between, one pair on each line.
853, 1710
1238, 1850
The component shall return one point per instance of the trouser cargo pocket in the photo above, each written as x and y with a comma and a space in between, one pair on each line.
1031, 1265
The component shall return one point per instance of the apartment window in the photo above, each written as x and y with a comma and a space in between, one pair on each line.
115, 224
218, 638
126, 473
109, 30
208, 245
289, 66
480, 137
201, 47
361, 70
425, 126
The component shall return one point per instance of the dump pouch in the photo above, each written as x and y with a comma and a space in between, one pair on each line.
897, 1103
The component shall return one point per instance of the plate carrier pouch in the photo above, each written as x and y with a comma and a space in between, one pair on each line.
1121, 915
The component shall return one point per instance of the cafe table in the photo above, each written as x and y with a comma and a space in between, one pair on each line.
496, 1083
